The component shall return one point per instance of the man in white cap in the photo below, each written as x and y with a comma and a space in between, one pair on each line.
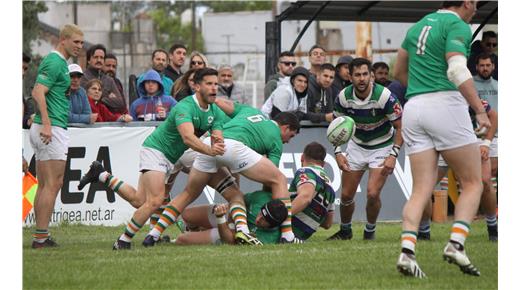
80, 111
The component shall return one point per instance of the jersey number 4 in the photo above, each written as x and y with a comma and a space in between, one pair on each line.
421, 42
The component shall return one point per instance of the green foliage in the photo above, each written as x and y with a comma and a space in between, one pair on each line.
31, 27
242, 5
85, 260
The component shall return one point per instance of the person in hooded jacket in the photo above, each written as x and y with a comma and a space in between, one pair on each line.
153, 104
289, 97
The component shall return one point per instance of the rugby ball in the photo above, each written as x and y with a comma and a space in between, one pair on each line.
341, 130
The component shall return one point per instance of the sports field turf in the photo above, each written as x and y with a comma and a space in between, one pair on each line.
85, 260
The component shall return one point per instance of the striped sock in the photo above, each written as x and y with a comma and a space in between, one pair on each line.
370, 227
112, 182
238, 214
131, 229
168, 217
286, 226
491, 220
40, 236
157, 213
424, 226
408, 241
459, 232
346, 226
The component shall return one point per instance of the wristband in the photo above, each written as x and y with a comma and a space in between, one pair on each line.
395, 151
221, 219
337, 150
486, 142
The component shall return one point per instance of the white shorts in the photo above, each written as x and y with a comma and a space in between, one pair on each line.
238, 157
185, 162
437, 120
360, 158
57, 149
153, 159
493, 148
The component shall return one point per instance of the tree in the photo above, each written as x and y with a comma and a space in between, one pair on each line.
31, 26
242, 5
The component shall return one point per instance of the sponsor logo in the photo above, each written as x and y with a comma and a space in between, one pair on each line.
242, 165
210, 119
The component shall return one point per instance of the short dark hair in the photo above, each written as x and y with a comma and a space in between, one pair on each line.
288, 118
201, 73
448, 4
357, 62
110, 56
483, 56
380, 64
93, 48
160, 50
26, 58
328, 66
274, 212
315, 151
176, 46
286, 53
489, 34
316, 46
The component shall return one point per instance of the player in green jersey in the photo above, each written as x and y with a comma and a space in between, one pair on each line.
48, 133
247, 135
432, 64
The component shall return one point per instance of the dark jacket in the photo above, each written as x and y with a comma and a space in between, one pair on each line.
172, 74
319, 101
338, 84
115, 105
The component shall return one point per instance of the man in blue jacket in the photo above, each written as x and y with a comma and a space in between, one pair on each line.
153, 103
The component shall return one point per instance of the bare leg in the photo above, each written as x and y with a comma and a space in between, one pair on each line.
50, 180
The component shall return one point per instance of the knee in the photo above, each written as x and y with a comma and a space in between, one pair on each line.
373, 197
155, 201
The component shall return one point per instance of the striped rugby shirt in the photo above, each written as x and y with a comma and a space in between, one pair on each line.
306, 222
373, 115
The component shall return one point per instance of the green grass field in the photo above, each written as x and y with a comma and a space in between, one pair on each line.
85, 260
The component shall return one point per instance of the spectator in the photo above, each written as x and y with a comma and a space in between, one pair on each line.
28, 103
488, 44
110, 96
320, 100
381, 70
316, 58
159, 63
80, 111
198, 60
185, 86
342, 76
398, 90
289, 97
286, 64
227, 88
177, 57
94, 92
110, 69
153, 104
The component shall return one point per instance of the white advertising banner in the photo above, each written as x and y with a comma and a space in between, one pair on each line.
94, 204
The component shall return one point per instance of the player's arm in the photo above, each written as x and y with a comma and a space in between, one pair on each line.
401, 67
327, 223
39, 91
303, 198
390, 160
226, 106
187, 132
226, 234
459, 74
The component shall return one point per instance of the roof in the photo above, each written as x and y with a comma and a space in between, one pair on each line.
380, 11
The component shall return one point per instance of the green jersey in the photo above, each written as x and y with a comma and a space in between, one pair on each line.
53, 73
427, 43
254, 202
249, 126
306, 222
167, 139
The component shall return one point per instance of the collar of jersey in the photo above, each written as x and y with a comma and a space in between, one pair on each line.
197, 102
448, 11
58, 53
367, 99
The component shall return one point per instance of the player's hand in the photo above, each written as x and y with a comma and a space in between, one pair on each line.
388, 165
483, 122
46, 134
342, 162
220, 209
216, 139
484, 152
217, 149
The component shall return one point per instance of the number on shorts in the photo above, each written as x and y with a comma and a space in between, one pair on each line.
256, 118
421, 42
